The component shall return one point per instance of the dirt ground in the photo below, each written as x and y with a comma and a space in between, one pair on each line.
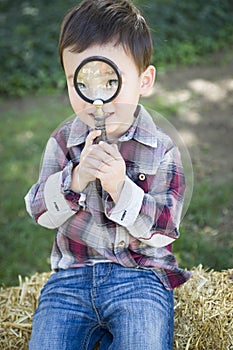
204, 96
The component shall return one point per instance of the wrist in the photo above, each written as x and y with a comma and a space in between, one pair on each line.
77, 182
116, 194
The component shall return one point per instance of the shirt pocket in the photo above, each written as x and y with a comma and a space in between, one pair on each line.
142, 176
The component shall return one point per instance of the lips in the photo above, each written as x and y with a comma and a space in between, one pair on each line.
107, 115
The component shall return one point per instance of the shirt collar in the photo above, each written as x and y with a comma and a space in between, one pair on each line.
142, 130
78, 133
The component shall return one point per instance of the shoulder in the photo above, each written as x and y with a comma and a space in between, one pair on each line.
63, 131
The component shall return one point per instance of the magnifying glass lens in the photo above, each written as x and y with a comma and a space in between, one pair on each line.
97, 78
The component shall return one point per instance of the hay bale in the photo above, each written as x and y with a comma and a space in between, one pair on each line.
203, 311
17, 305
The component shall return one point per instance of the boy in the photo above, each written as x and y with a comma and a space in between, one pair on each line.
115, 271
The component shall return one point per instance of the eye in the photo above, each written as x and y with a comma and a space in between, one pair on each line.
112, 83
81, 86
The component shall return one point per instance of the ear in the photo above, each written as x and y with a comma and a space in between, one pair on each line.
147, 80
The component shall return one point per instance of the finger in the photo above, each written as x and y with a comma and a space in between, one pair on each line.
104, 156
111, 149
92, 136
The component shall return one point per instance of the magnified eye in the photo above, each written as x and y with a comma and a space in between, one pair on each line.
97, 77
112, 83
81, 86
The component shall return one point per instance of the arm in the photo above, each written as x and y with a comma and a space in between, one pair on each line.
153, 217
46, 201
56, 196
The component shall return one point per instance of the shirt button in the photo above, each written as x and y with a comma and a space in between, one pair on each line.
121, 244
142, 177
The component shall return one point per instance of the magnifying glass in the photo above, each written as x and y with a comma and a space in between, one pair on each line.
97, 80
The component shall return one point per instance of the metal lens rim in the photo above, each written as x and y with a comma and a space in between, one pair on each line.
101, 59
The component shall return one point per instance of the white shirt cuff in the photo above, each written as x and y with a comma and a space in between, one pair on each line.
58, 210
128, 206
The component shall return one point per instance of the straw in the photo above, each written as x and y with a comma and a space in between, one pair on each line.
203, 311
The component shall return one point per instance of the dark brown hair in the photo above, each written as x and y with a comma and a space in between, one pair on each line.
98, 22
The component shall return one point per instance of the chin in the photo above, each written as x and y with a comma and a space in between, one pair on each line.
114, 133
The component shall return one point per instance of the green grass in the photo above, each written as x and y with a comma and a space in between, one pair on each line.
206, 236
205, 232
24, 131
183, 32
25, 247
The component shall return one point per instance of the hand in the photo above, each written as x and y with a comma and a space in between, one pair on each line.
102, 161
112, 170
85, 171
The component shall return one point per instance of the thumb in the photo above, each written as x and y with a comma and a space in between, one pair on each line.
92, 136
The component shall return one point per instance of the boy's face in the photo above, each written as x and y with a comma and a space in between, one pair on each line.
119, 112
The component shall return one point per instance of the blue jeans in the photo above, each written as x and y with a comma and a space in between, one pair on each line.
125, 308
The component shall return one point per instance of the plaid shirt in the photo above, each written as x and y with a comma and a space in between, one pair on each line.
139, 229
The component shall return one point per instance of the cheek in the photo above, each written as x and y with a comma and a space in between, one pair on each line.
76, 102
130, 92
81, 108
125, 113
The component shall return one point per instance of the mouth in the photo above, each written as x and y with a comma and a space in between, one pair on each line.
106, 115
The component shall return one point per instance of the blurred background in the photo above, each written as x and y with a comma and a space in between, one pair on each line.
193, 47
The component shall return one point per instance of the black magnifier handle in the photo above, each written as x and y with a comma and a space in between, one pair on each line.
100, 121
